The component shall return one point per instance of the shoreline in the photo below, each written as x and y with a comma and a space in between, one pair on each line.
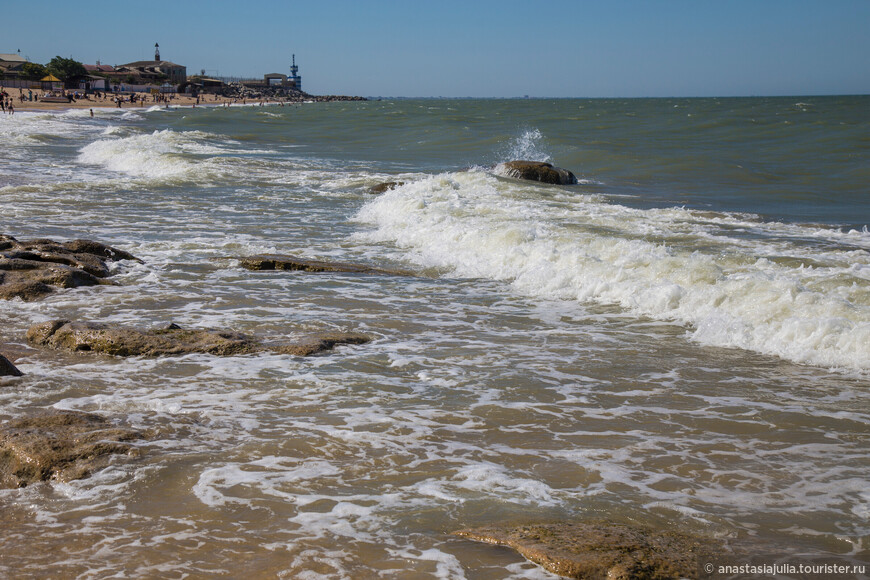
145, 103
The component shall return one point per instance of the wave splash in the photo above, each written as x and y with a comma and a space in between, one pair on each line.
797, 292
530, 146
161, 154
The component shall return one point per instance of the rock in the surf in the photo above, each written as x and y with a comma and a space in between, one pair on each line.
601, 550
174, 340
321, 342
61, 446
385, 186
125, 341
287, 262
32, 269
7, 369
536, 171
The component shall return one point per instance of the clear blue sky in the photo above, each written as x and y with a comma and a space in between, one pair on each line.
480, 48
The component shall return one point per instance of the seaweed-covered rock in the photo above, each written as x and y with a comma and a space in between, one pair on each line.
59, 445
287, 262
602, 550
32, 269
173, 340
7, 369
536, 171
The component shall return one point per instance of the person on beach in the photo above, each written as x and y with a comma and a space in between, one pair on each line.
92, 112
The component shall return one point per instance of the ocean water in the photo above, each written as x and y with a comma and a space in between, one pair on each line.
682, 340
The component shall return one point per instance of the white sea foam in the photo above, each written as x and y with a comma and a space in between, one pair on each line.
765, 291
161, 154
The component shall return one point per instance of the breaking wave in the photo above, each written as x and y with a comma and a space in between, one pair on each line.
797, 292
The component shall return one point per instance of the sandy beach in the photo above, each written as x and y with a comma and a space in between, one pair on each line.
143, 101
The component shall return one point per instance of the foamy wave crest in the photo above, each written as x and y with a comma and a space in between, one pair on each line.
736, 281
161, 154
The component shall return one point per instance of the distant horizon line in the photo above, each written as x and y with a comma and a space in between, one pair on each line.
530, 98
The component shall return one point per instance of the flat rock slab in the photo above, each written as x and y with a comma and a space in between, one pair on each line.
32, 269
174, 340
536, 171
287, 262
60, 446
7, 369
604, 550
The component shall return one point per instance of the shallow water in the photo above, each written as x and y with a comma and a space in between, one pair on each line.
682, 340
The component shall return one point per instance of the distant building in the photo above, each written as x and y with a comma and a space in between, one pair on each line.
11, 64
99, 77
154, 70
100, 69
275, 79
151, 70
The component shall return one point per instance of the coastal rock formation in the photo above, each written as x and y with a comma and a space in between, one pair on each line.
385, 186
32, 269
59, 445
602, 550
7, 369
290, 95
286, 262
174, 340
536, 171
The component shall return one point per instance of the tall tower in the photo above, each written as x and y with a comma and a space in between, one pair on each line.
294, 75
156, 51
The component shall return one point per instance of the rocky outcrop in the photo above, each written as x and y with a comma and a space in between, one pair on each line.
32, 269
385, 186
174, 340
7, 369
286, 262
602, 550
291, 95
536, 171
59, 445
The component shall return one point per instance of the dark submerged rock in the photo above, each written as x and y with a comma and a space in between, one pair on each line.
7, 369
173, 340
98, 249
537, 171
32, 269
602, 550
287, 262
59, 445
385, 186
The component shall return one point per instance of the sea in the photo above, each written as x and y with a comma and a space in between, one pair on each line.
680, 341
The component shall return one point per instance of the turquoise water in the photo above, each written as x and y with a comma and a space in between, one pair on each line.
680, 340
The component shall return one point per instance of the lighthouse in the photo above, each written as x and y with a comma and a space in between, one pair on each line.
294, 75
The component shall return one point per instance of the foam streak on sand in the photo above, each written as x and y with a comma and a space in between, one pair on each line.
734, 280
